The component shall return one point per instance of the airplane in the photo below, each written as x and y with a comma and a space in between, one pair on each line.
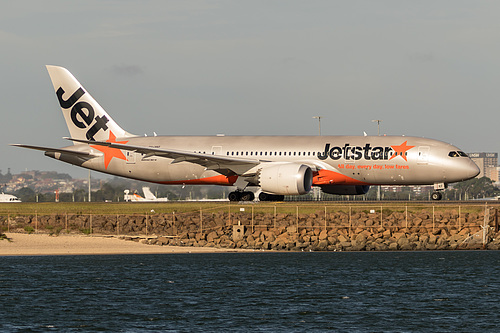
148, 196
9, 198
276, 165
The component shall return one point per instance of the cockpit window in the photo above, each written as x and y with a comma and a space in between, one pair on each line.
457, 154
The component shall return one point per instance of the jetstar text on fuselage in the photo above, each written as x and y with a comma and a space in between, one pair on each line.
366, 152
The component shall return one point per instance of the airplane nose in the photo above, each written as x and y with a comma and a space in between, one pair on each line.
472, 170
460, 169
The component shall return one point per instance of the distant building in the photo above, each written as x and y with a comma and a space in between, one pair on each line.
487, 163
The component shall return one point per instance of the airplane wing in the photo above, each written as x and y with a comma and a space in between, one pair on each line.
226, 165
57, 150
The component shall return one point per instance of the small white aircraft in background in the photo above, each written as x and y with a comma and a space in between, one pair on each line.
148, 196
8, 198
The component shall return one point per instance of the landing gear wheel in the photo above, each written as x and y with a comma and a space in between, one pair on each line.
264, 196
278, 198
436, 196
270, 197
247, 196
234, 196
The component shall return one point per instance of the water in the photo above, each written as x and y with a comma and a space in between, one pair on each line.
267, 292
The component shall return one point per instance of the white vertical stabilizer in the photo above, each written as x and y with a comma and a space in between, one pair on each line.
85, 118
148, 195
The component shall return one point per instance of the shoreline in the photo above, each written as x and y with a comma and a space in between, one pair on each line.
19, 244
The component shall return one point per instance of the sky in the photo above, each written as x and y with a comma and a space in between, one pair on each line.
425, 68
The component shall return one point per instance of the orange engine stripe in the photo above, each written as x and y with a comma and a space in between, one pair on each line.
322, 177
327, 177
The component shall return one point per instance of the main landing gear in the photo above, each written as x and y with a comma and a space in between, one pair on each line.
436, 196
249, 196
241, 196
270, 197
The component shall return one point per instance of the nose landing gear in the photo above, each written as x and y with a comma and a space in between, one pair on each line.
436, 196
438, 187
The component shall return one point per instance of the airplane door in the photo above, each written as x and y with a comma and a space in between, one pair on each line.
216, 150
423, 155
130, 155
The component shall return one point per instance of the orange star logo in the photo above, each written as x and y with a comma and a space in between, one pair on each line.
401, 150
109, 152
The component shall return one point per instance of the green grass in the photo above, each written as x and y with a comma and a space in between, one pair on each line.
216, 207
4, 237
102, 208
29, 229
86, 231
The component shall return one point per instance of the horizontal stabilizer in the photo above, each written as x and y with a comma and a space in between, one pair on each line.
56, 150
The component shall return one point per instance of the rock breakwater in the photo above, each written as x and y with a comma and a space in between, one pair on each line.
360, 230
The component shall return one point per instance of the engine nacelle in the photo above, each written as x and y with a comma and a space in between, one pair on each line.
286, 179
345, 189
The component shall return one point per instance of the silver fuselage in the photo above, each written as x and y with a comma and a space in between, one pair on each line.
346, 160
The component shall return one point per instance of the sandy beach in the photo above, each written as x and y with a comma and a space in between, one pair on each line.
43, 244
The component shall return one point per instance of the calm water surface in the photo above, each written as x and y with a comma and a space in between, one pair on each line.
365, 292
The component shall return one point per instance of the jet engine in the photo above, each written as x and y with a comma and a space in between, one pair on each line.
286, 179
345, 189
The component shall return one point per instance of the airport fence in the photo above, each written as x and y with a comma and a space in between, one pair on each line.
348, 218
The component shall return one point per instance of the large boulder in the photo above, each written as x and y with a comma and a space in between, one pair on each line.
212, 236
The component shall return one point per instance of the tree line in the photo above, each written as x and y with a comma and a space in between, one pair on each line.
113, 190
